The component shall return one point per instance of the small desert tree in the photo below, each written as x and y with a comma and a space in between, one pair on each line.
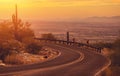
22, 30
8, 31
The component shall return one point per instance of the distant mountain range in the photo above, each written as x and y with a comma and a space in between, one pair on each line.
103, 19
112, 19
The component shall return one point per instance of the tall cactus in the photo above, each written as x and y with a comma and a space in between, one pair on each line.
15, 23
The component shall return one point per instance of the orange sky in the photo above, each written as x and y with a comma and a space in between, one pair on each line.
59, 9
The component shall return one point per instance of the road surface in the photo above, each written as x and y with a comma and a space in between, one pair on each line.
73, 61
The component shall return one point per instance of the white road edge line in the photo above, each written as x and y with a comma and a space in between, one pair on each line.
103, 68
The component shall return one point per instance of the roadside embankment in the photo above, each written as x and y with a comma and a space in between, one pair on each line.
45, 54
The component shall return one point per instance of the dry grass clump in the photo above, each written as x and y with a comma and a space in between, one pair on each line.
24, 58
13, 59
107, 52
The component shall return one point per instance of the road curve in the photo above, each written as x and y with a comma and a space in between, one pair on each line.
69, 63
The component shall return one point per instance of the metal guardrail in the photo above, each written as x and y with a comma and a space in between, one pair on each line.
97, 49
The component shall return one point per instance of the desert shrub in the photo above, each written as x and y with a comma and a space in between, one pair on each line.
28, 40
6, 31
48, 36
22, 30
116, 55
33, 47
13, 59
115, 58
9, 47
103, 45
25, 33
116, 46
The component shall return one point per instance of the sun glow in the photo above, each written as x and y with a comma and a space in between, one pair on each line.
12, 1
60, 9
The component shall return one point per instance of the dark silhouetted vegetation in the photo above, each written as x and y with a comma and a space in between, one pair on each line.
115, 58
33, 47
115, 46
48, 36
9, 47
103, 45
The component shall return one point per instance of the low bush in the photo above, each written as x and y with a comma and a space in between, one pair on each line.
33, 47
115, 59
48, 36
13, 59
103, 45
9, 47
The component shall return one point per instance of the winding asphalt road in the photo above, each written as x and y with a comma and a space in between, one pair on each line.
73, 61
